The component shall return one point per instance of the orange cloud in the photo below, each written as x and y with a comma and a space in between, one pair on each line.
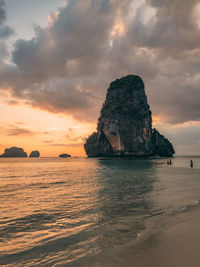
48, 141
13, 103
16, 131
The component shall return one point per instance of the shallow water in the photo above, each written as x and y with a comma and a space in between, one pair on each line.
84, 212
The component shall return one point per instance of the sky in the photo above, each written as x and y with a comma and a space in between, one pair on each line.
57, 59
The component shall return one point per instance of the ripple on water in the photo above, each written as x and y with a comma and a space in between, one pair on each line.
76, 212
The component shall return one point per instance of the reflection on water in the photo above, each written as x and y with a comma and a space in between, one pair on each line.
55, 211
73, 212
122, 198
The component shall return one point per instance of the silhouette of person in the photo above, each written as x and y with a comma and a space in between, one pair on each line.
191, 163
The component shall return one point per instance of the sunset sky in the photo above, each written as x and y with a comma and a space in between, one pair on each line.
57, 59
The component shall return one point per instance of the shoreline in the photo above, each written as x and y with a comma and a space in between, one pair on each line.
175, 245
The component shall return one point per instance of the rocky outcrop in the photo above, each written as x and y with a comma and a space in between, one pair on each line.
64, 155
14, 152
161, 145
125, 124
34, 154
92, 145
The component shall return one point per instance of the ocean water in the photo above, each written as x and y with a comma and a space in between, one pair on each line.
89, 212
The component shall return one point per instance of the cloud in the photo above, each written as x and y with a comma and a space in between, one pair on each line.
2, 12
74, 137
50, 141
67, 145
59, 96
5, 31
13, 102
75, 145
178, 97
185, 137
173, 27
17, 131
68, 65
20, 123
58, 144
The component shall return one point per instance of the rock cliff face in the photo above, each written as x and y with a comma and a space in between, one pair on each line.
34, 154
162, 147
14, 152
125, 124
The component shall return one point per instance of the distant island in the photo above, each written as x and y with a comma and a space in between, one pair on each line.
17, 152
125, 124
14, 152
64, 156
34, 154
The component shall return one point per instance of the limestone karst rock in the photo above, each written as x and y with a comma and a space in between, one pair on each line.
161, 145
34, 154
14, 152
125, 125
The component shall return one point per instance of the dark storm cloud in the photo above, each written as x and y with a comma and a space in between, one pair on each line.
65, 56
65, 97
178, 98
68, 65
2, 11
77, 37
173, 28
5, 31
172, 34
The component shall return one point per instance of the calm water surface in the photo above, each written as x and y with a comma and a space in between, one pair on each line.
82, 212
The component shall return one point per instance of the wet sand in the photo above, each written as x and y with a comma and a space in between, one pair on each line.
177, 245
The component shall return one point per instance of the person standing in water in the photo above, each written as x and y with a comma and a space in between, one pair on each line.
191, 163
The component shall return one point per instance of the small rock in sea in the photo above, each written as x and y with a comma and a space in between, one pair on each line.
34, 154
14, 152
64, 155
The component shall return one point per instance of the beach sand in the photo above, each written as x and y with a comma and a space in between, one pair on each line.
177, 245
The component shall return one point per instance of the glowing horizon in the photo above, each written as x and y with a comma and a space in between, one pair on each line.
56, 65
51, 134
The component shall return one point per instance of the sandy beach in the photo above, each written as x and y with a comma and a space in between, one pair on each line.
177, 245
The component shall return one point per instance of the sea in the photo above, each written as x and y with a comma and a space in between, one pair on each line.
90, 211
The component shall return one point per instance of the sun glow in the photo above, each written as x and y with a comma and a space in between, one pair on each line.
157, 120
118, 29
32, 129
